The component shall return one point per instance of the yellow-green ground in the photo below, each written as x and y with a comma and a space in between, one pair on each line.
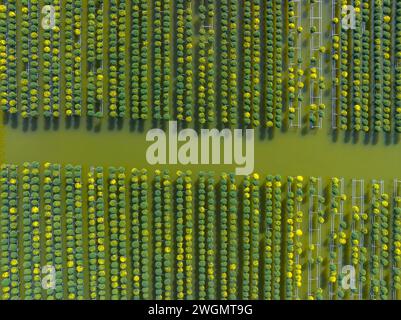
319, 153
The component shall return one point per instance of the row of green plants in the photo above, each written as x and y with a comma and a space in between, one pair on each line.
75, 233
316, 218
117, 210
272, 238
365, 89
379, 243
72, 53
348, 87
337, 238
77, 63
344, 74
122, 56
140, 71
113, 58
29, 76
9, 257
96, 234
140, 235
270, 66
184, 47
317, 80
51, 66
293, 239
356, 71
295, 82
365, 67
167, 222
206, 64
251, 68
223, 208
289, 241
161, 60
229, 69
386, 48
53, 230
95, 77
233, 252
117, 56
157, 235
8, 59
31, 239
396, 246
397, 68
358, 246
153, 60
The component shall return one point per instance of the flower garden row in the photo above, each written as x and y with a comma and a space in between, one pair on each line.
123, 234
117, 62
95, 57
274, 67
196, 60
205, 92
139, 60
229, 68
184, 63
8, 59
365, 89
317, 79
397, 67
29, 77
51, 64
295, 70
184, 60
73, 56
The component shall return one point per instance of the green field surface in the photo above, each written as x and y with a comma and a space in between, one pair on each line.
78, 194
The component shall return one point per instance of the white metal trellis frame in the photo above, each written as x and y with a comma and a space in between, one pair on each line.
316, 14
289, 189
341, 217
394, 268
297, 257
333, 246
298, 208
315, 206
374, 245
334, 68
358, 199
298, 48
